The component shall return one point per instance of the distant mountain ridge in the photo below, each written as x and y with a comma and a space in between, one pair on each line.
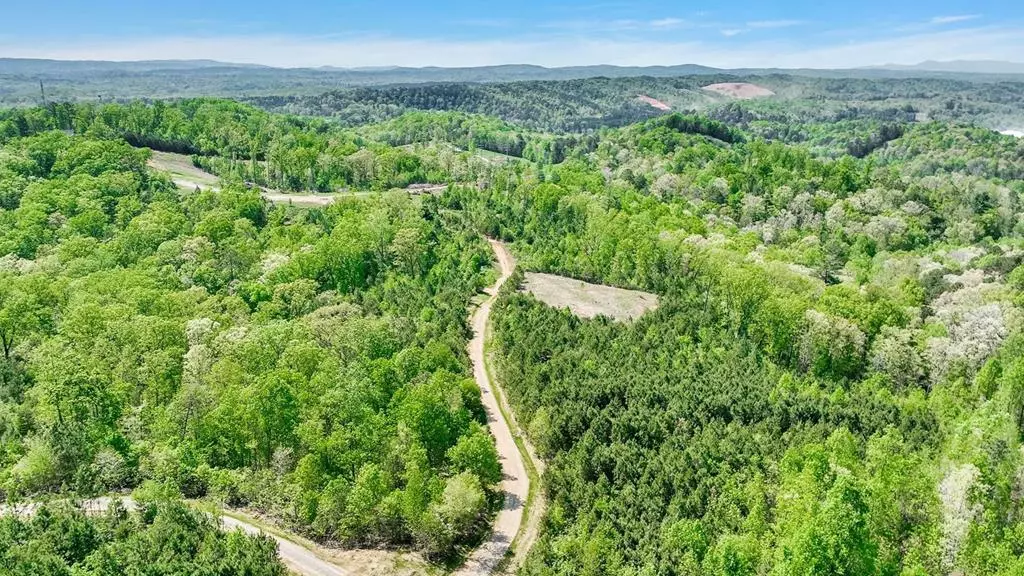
43, 66
103, 80
504, 72
958, 67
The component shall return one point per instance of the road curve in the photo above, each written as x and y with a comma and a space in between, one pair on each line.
516, 482
296, 557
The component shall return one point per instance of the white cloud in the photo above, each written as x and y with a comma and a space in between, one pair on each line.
765, 24
938, 20
760, 25
615, 25
665, 23
981, 43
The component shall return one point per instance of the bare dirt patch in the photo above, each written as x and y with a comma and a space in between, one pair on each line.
182, 171
588, 300
740, 90
382, 563
655, 103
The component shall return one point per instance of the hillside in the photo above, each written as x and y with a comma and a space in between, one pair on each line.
89, 80
776, 336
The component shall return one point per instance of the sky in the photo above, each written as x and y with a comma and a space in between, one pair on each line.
365, 33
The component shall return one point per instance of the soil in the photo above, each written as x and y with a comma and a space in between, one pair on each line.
655, 103
740, 90
588, 300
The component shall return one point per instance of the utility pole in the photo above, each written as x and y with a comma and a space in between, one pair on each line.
42, 92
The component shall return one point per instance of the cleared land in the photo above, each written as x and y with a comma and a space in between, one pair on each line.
182, 171
655, 103
1017, 133
588, 300
188, 177
740, 90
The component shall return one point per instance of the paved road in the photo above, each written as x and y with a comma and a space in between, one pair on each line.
516, 483
297, 558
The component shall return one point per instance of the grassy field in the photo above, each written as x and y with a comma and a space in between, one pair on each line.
588, 300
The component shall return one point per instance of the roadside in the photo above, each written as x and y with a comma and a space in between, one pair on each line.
515, 528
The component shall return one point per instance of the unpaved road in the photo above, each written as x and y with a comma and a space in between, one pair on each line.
297, 558
516, 483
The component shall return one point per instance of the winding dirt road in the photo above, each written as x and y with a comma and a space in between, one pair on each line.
516, 483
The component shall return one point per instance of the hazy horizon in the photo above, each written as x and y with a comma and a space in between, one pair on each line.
315, 33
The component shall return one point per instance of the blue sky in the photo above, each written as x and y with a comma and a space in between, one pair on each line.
796, 33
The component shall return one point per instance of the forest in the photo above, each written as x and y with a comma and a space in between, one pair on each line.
833, 382
309, 364
163, 539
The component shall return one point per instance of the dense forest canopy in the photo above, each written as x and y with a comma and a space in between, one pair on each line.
590, 104
165, 539
832, 384
306, 363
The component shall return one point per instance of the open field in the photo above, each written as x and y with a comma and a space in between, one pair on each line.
740, 90
188, 177
1017, 133
588, 300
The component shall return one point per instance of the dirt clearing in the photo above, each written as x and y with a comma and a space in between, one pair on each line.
588, 300
740, 90
655, 103
188, 177
182, 171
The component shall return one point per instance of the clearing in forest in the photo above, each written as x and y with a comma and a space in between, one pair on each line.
182, 171
1017, 133
188, 177
655, 103
740, 90
588, 300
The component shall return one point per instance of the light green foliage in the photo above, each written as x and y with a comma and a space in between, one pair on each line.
831, 383
294, 361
